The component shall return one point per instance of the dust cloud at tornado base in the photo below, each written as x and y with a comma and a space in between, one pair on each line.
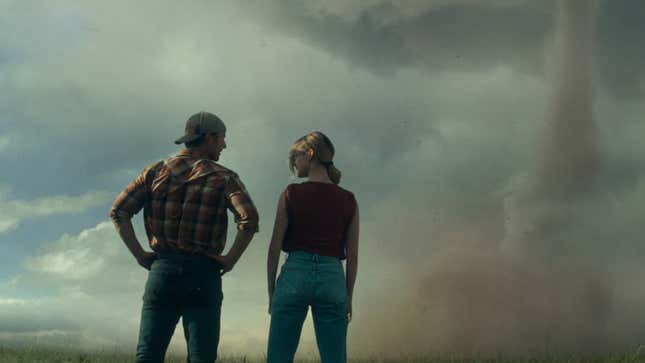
531, 278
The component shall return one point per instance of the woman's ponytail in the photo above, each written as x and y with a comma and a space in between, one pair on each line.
334, 174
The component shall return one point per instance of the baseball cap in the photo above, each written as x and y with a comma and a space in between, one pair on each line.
200, 124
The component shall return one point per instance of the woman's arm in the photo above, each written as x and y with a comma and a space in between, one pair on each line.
279, 229
352, 258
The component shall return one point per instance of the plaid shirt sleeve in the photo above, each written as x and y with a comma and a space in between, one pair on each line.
240, 204
131, 199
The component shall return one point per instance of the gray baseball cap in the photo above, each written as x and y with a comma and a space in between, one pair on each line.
199, 124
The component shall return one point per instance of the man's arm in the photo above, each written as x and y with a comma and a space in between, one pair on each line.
128, 203
126, 231
246, 217
242, 240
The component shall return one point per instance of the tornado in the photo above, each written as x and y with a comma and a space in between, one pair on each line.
537, 291
543, 243
567, 159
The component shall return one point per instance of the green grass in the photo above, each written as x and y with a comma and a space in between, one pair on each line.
50, 355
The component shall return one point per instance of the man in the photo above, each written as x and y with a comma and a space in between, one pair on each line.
185, 199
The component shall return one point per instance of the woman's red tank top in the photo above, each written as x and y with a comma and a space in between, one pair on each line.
319, 214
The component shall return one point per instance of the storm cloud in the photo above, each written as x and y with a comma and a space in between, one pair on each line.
385, 36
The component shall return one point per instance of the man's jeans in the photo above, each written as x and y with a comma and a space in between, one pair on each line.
187, 286
309, 280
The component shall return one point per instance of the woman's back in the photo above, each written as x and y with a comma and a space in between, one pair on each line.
317, 223
319, 214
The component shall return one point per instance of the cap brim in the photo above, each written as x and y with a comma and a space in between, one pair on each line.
187, 138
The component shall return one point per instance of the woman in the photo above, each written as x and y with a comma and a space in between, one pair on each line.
317, 225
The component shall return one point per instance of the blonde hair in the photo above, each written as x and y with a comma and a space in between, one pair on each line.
323, 152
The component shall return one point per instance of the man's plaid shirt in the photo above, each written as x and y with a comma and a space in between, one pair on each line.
184, 200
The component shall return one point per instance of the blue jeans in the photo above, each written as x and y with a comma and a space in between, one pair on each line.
186, 286
309, 280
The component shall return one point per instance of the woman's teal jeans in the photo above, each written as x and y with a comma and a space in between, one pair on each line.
186, 286
309, 280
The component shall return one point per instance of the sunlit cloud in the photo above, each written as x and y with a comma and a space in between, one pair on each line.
16, 210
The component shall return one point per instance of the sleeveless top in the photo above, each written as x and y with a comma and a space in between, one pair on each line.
319, 214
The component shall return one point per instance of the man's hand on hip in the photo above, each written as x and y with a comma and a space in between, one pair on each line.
226, 261
229, 260
146, 258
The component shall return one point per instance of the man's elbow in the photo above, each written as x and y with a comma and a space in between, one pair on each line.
118, 217
113, 215
250, 223
250, 227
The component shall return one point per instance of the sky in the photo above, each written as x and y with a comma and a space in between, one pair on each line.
494, 148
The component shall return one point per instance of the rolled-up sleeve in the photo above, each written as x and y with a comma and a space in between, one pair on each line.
131, 199
240, 204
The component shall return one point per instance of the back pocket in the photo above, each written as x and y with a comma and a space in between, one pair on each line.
333, 287
160, 286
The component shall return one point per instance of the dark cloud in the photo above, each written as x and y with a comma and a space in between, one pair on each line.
450, 37
466, 37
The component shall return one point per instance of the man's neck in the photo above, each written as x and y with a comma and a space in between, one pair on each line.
197, 153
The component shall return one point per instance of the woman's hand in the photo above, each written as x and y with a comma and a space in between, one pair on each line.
349, 312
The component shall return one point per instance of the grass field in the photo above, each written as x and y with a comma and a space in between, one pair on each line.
44, 355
